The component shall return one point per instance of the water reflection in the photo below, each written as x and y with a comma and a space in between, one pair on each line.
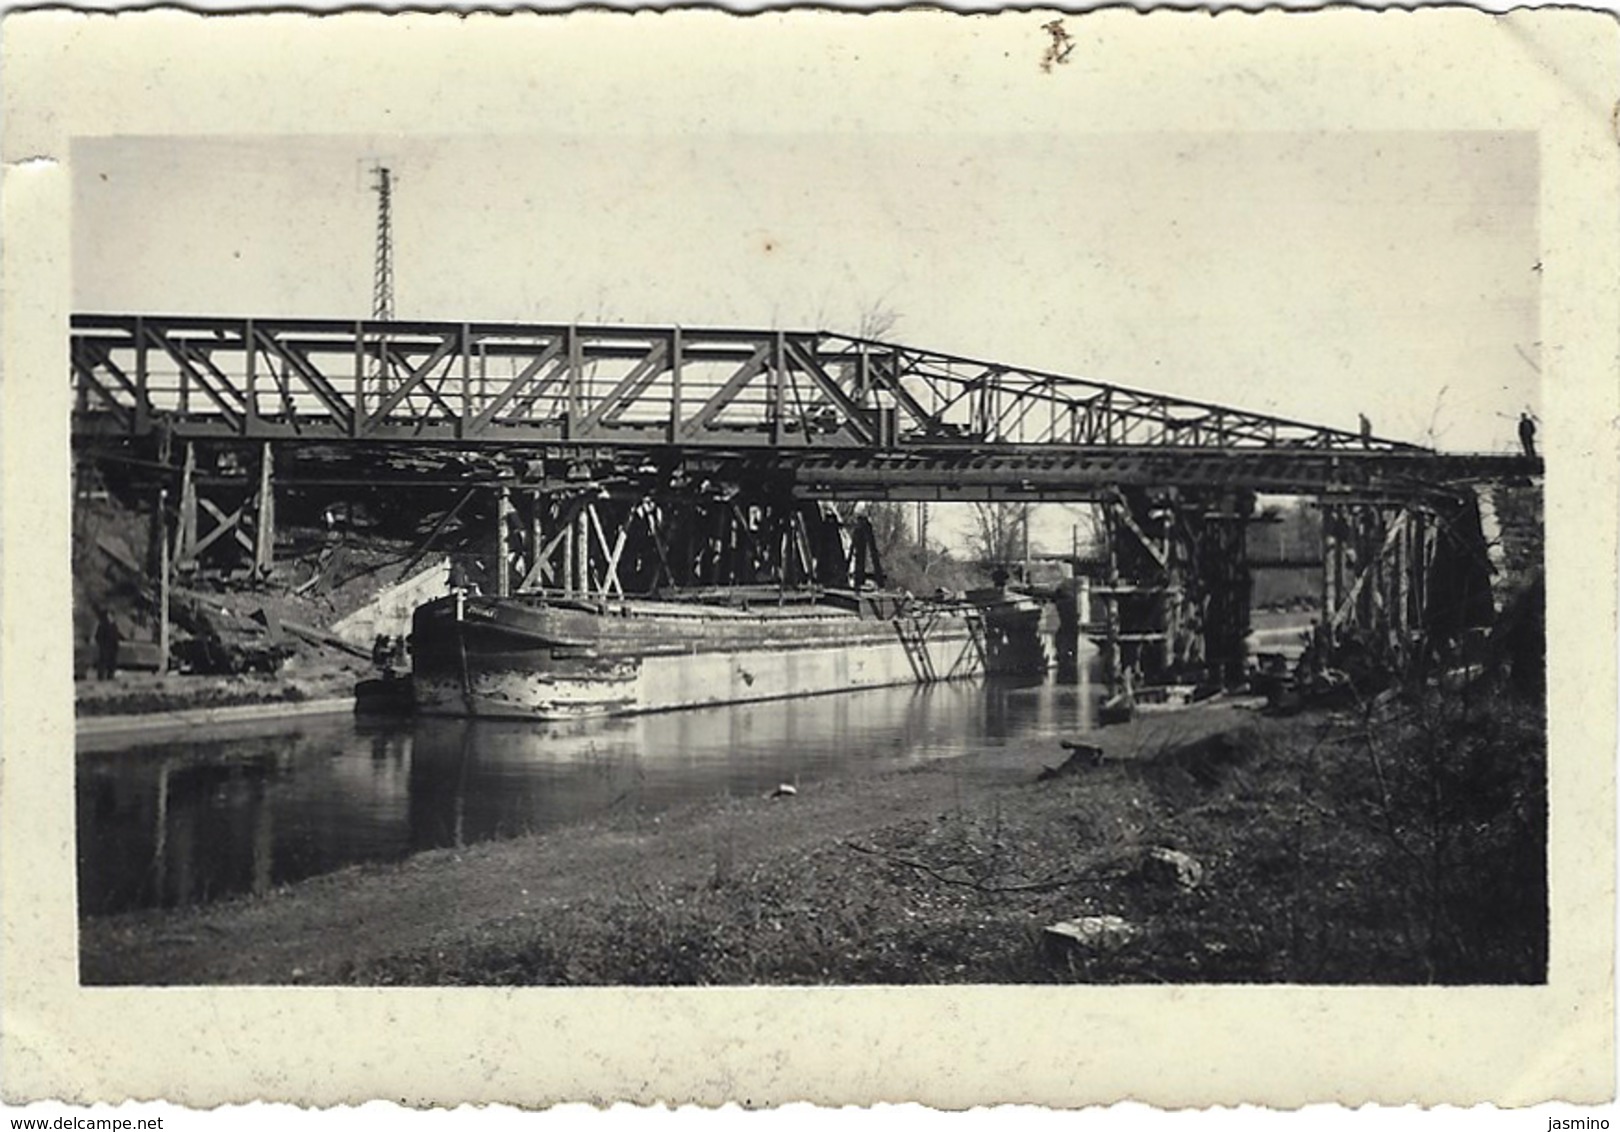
170, 821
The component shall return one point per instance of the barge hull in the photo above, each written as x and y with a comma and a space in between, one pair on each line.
664, 683
515, 659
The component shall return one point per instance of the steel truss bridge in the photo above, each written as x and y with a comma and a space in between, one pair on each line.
837, 416
615, 459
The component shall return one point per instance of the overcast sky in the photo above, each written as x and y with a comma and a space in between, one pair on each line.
1313, 276
1310, 275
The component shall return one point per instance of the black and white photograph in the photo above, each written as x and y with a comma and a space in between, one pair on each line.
987, 546
778, 587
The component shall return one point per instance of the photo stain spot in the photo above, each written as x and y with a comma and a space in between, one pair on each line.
1059, 49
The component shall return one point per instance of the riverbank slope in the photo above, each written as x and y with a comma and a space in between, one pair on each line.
1208, 845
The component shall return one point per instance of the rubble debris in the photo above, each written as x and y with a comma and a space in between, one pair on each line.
321, 637
1082, 756
1171, 867
1088, 933
1118, 708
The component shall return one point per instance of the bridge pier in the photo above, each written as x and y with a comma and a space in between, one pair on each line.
503, 550
1176, 589
1401, 578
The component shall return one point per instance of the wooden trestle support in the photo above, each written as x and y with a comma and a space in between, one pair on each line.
591, 541
227, 513
1403, 580
1175, 593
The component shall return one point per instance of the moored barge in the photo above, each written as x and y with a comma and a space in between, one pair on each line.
547, 657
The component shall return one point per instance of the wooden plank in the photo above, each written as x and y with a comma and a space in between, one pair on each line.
321, 637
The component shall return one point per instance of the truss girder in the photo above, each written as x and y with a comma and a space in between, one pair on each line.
545, 383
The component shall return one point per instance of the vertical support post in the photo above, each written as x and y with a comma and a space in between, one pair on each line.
185, 382
143, 393
1169, 623
1111, 650
358, 421
677, 358
1403, 579
1242, 586
576, 376
483, 375
1420, 572
503, 551
1023, 524
250, 368
1330, 568
81, 389
466, 382
163, 580
264, 527
1180, 577
567, 578
185, 551
537, 535
582, 550
778, 384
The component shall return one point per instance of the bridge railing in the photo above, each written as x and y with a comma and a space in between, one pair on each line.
476, 382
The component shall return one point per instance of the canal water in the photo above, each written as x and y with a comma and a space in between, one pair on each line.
193, 816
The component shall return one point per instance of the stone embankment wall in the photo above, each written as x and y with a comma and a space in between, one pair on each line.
1511, 515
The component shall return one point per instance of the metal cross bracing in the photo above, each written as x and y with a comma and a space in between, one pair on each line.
477, 382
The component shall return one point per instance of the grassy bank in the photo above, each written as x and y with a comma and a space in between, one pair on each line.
1394, 847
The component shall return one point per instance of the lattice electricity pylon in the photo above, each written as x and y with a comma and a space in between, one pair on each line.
648, 386
382, 280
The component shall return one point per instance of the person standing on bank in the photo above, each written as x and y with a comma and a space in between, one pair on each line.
107, 640
1527, 434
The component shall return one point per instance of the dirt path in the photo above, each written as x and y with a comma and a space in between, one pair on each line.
309, 933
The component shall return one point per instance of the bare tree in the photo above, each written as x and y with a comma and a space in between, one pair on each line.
889, 529
1000, 532
877, 320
